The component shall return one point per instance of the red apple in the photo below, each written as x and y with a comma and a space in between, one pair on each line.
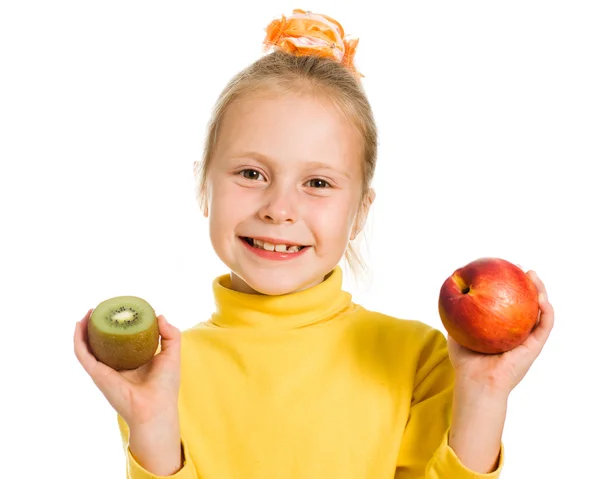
489, 306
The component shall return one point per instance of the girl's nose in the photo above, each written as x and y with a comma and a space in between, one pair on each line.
279, 206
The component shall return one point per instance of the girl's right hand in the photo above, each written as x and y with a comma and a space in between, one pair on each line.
140, 396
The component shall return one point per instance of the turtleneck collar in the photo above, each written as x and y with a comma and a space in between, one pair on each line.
235, 309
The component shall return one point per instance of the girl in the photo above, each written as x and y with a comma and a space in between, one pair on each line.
289, 378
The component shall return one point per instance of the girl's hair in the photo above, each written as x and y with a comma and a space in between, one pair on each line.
284, 72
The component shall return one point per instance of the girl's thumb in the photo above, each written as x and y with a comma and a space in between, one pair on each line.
167, 330
164, 321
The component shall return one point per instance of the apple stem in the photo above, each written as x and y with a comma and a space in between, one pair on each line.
464, 287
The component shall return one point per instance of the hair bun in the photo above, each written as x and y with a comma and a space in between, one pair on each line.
307, 33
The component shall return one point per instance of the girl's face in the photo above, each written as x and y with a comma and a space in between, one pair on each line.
289, 169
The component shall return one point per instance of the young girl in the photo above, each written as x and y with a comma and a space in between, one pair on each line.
289, 378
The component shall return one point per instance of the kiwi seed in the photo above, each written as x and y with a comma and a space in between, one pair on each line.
123, 332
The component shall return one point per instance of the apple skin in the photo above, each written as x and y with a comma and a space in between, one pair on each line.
489, 306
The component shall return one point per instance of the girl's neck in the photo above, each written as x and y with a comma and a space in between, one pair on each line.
238, 284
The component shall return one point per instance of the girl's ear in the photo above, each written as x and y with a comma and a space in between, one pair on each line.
362, 214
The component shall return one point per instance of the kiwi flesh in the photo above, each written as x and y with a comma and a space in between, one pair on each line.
123, 332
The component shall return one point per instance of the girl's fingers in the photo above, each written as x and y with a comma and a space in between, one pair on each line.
542, 330
540, 333
80, 344
103, 376
170, 337
537, 281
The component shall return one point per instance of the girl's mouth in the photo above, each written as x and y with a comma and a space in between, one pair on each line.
278, 248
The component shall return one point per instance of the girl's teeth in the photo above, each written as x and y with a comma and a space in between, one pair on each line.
280, 248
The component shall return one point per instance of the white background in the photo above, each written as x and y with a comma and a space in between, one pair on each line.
489, 131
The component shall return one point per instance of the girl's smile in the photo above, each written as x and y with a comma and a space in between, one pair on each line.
279, 250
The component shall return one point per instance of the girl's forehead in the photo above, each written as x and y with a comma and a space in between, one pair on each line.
302, 122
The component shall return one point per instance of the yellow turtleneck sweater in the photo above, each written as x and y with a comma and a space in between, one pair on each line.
310, 385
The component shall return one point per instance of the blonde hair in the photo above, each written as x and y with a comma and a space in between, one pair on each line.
289, 73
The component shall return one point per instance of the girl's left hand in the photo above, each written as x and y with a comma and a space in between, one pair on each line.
500, 373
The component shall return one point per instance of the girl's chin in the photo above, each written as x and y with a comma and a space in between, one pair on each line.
272, 283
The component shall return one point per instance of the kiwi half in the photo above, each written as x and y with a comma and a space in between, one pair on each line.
123, 332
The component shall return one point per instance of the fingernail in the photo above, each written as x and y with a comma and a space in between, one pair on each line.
541, 298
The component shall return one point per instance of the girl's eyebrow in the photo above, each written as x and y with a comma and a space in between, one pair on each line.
309, 165
252, 154
324, 166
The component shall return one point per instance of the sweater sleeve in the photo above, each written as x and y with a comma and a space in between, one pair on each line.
424, 451
136, 471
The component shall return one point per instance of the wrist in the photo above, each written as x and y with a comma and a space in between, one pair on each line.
474, 411
167, 417
476, 392
476, 427
156, 445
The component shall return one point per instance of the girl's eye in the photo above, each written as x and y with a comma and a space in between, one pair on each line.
250, 174
318, 183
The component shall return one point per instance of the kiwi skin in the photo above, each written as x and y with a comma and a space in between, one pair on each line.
124, 351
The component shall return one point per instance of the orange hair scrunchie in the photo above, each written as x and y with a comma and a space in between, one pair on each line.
307, 33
